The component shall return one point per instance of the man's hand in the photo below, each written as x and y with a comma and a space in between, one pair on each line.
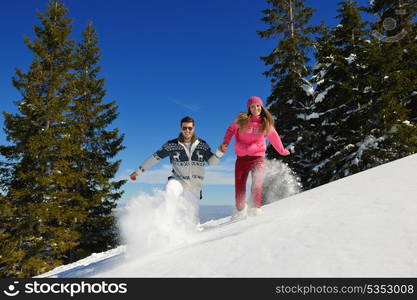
133, 176
223, 148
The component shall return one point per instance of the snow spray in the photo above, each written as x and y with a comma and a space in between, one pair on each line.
279, 182
150, 223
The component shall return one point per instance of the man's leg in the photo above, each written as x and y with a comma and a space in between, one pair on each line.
193, 199
190, 209
173, 188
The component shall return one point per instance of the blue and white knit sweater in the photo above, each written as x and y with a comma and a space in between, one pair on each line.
187, 163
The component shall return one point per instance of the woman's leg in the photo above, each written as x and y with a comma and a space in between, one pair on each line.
258, 170
242, 168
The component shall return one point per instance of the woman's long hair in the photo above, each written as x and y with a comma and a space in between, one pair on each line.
267, 120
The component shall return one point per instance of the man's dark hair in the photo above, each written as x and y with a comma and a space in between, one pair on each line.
187, 119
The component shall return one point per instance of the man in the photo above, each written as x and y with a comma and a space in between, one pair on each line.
188, 155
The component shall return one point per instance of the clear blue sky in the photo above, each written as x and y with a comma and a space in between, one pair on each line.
163, 60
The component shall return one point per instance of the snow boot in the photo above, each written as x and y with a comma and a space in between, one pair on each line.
255, 211
239, 214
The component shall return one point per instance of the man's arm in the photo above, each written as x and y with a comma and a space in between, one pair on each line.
150, 161
213, 158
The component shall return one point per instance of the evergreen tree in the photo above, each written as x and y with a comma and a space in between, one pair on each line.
56, 192
410, 61
396, 26
342, 96
394, 83
291, 97
89, 119
361, 100
6, 217
40, 227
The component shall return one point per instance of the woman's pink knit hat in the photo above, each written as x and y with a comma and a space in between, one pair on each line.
254, 99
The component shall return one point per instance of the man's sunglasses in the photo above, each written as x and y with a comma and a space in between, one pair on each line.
187, 128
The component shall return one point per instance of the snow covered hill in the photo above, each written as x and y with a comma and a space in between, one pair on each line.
364, 225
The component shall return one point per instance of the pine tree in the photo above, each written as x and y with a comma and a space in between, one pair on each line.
291, 97
362, 98
45, 211
396, 25
8, 253
410, 61
56, 190
394, 83
89, 119
342, 96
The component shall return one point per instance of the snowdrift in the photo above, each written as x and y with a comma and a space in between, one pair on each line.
364, 225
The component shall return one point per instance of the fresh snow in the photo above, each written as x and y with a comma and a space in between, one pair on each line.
363, 225
308, 117
351, 58
370, 142
320, 97
308, 89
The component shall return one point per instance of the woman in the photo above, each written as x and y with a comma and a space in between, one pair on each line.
250, 130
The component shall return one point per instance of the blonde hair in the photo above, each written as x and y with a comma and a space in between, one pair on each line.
267, 120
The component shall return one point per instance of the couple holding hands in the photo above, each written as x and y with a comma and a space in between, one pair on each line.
188, 155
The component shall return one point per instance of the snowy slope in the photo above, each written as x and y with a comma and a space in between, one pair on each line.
364, 225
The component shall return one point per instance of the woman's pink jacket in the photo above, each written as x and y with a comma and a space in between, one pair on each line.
252, 141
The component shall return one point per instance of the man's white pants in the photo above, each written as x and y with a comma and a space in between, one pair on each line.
174, 190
